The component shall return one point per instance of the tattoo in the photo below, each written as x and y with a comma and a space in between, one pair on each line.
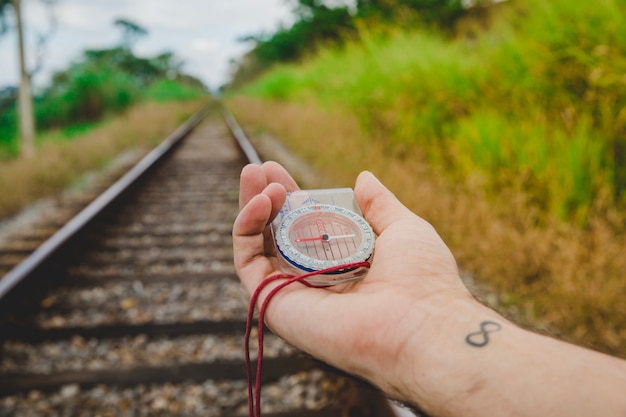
481, 337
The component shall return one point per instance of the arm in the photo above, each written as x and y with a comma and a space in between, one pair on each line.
478, 364
411, 327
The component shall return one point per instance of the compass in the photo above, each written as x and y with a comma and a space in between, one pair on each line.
319, 236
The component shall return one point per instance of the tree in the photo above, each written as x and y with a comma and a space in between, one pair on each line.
440, 12
131, 31
103, 81
25, 101
316, 24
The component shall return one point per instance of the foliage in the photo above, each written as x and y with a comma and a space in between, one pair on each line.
104, 81
441, 12
8, 132
522, 106
319, 24
174, 90
85, 92
131, 31
143, 70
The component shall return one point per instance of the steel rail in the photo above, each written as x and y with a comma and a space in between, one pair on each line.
241, 138
52, 245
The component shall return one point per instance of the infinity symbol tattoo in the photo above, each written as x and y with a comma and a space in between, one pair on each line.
481, 338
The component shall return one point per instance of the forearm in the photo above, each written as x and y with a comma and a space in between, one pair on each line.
477, 363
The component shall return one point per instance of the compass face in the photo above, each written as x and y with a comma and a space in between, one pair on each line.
316, 237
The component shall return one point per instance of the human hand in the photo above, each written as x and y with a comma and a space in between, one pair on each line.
361, 327
411, 327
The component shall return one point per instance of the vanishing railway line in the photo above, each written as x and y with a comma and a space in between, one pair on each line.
139, 311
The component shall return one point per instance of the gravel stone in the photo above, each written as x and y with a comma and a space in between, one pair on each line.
210, 398
138, 303
93, 354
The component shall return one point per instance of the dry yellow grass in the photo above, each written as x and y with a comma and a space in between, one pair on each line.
59, 163
547, 275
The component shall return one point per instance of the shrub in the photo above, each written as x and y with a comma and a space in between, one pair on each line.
85, 93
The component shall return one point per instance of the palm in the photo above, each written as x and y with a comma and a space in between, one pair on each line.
410, 264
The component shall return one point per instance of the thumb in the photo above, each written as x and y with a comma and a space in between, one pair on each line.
379, 205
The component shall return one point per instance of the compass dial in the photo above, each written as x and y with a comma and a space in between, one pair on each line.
316, 237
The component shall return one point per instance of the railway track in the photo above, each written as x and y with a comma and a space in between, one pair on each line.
138, 312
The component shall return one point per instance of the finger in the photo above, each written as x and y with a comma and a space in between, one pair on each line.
274, 172
379, 205
277, 194
251, 264
252, 181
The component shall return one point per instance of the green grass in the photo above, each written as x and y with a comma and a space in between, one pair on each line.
535, 103
73, 131
171, 90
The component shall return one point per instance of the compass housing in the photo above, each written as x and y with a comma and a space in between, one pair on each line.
315, 237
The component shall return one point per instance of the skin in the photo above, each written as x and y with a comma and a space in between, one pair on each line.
411, 327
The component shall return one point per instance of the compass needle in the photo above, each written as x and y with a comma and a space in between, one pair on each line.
341, 236
324, 238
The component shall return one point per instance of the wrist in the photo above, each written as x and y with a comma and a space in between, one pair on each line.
440, 358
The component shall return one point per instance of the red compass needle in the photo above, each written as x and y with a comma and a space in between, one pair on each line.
324, 238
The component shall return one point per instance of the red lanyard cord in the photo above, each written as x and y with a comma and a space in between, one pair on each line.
254, 398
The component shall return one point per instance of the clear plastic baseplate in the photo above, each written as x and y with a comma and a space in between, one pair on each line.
341, 197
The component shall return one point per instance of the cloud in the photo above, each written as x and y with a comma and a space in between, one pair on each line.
205, 45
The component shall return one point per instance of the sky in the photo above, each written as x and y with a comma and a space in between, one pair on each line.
202, 33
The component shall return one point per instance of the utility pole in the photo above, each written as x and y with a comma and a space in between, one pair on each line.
25, 100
